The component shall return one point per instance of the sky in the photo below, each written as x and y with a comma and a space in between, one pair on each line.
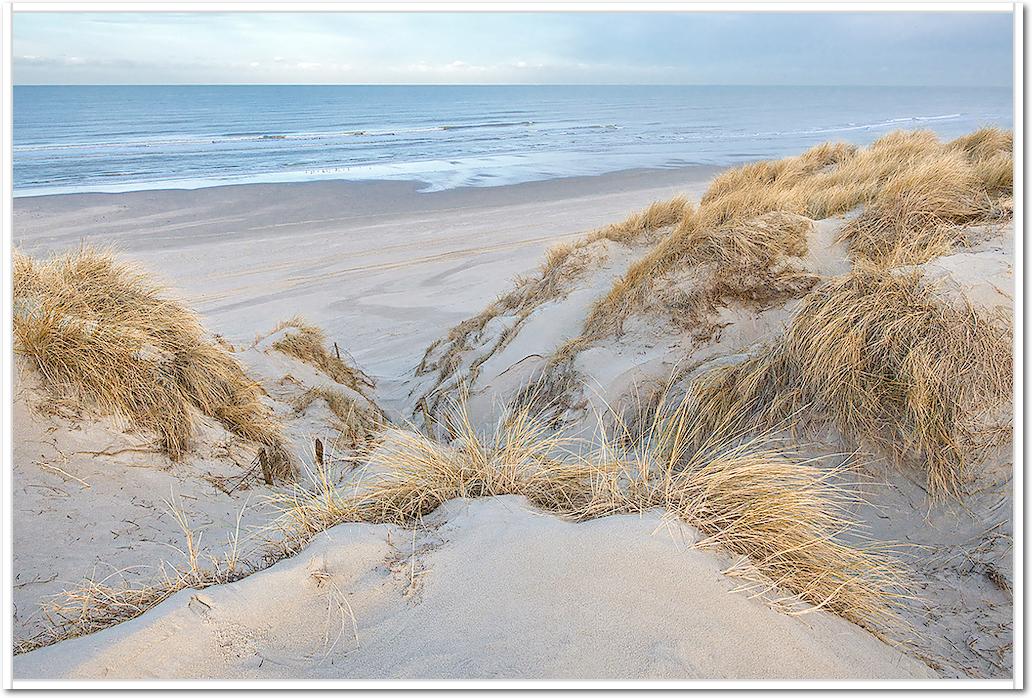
724, 48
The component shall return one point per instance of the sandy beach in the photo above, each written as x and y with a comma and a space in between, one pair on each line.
430, 543
382, 268
473, 346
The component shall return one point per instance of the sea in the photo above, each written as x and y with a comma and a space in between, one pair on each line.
124, 138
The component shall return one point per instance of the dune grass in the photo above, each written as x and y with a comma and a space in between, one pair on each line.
658, 215
354, 422
307, 343
918, 193
919, 213
754, 264
101, 331
785, 521
788, 518
894, 364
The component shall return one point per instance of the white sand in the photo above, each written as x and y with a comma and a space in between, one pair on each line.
489, 588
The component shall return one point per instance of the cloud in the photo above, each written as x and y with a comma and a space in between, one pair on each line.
597, 47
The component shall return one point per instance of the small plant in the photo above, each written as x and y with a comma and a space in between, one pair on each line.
307, 343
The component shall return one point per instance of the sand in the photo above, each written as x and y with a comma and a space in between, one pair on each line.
486, 588
381, 268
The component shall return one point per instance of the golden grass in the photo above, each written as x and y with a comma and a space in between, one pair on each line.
918, 194
750, 264
919, 213
355, 423
101, 330
788, 517
658, 215
896, 366
307, 343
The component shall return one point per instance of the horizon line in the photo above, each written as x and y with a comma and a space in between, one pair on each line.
491, 84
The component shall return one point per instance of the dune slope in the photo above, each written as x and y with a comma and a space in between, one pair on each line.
488, 588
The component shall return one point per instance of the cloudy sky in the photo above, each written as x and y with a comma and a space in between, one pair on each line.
883, 48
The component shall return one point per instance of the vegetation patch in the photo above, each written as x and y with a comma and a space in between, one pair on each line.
893, 364
307, 343
100, 331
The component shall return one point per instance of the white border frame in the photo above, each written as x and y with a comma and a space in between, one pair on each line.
6, 209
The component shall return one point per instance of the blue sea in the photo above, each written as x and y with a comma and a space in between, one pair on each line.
122, 138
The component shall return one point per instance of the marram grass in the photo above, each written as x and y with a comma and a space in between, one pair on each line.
100, 330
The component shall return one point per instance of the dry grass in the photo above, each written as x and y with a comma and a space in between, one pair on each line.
750, 264
789, 518
101, 330
896, 366
919, 214
918, 191
355, 423
308, 344
658, 215
96, 604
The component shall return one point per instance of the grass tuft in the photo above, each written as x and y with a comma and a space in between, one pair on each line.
356, 424
895, 365
789, 518
98, 329
307, 343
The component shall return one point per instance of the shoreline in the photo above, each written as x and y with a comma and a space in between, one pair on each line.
424, 186
416, 185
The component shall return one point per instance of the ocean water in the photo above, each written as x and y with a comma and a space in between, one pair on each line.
121, 138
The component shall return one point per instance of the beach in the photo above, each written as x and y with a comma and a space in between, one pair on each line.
415, 360
488, 347
381, 267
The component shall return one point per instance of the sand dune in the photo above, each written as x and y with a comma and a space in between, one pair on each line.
487, 588
421, 560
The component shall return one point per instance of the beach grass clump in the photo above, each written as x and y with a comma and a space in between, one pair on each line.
101, 331
354, 422
898, 367
658, 215
920, 213
749, 263
307, 343
788, 518
991, 153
